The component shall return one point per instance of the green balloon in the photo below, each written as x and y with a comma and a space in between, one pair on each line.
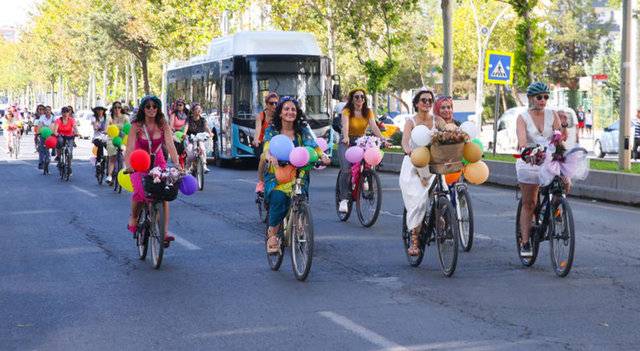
117, 141
478, 142
126, 128
179, 135
464, 161
308, 167
45, 132
313, 155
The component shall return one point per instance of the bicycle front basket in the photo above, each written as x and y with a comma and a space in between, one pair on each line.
159, 191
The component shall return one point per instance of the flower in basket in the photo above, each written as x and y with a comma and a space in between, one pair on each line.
449, 137
368, 141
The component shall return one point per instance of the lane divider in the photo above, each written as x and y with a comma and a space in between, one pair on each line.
362, 332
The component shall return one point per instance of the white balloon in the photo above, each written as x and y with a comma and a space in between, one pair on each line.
470, 128
421, 135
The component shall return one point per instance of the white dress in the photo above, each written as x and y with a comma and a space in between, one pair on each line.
414, 194
526, 172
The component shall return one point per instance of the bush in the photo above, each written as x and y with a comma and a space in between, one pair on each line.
396, 138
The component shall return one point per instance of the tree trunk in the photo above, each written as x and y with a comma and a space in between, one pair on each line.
528, 47
103, 99
115, 83
447, 60
134, 83
398, 97
126, 83
145, 71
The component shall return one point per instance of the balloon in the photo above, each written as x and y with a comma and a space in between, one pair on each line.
308, 167
126, 128
280, 147
465, 162
188, 185
51, 142
125, 181
470, 128
421, 135
117, 141
140, 160
478, 142
125, 140
179, 135
322, 143
113, 131
420, 157
299, 157
472, 152
476, 173
313, 155
354, 154
372, 156
285, 174
94, 151
45, 132
452, 177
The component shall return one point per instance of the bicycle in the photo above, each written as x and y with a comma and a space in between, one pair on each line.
439, 225
295, 232
101, 165
200, 160
263, 207
461, 200
16, 144
66, 154
42, 150
150, 222
116, 169
366, 189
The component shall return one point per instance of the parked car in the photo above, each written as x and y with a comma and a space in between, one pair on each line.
607, 143
83, 120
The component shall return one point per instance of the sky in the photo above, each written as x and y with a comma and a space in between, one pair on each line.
15, 12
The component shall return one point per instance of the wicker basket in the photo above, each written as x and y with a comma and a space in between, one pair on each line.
446, 168
446, 159
159, 191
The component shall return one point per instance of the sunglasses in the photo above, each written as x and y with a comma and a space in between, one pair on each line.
272, 103
150, 107
117, 107
540, 97
428, 101
358, 97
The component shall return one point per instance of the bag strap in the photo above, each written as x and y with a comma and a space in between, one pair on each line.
150, 141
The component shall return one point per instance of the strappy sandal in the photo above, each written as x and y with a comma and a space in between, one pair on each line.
273, 246
414, 250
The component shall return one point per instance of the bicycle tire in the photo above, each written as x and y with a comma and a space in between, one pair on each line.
116, 169
301, 260
343, 216
142, 234
446, 230
374, 191
263, 214
200, 174
568, 237
463, 202
67, 168
414, 261
100, 171
156, 233
16, 146
274, 259
526, 261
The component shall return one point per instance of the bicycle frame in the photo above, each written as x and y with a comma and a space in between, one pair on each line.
542, 211
297, 197
355, 192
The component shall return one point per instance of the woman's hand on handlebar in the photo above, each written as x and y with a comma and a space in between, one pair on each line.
345, 139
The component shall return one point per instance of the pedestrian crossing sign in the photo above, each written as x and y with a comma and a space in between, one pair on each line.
498, 67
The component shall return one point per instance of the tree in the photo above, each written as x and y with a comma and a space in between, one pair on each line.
447, 59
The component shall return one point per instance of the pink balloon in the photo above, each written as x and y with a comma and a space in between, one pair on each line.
354, 154
322, 143
373, 156
299, 157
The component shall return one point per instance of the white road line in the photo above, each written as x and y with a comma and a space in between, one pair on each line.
241, 331
482, 237
246, 181
86, 192
352, 238
390, 189
361, 331
391, 214
186, 243
75, 250
30, 212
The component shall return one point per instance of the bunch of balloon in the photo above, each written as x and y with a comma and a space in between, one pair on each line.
475, 170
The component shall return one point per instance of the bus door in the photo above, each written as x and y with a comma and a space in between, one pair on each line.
226, 114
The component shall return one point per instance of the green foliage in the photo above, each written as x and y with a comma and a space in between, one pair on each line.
396, 138
488, 106
378, 74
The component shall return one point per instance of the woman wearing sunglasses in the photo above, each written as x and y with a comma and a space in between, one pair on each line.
178, 122
263, 121
118, 119
534, 127
356, 117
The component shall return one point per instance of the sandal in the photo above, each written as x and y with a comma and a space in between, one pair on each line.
273, 245
133, 229
167, 240
414, 250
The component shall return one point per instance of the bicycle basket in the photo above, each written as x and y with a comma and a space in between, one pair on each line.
446, 168
159, 191
446, 158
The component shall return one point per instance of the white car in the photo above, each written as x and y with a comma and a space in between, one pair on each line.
83, 120
607, 143
400, 119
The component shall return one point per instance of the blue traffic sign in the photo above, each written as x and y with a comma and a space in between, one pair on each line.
498, 67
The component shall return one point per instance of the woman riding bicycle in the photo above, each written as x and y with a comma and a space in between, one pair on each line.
443, 108
99, 122
149, 132
118, 119
178, 116
10, 125
415, 183
263, 121
289, 120
65, 129
356, 117
534, 127
43, 120
196, 124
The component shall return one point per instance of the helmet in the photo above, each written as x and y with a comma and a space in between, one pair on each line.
537, 88
153, 98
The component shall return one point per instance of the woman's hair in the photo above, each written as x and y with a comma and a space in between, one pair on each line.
438, 104
416, 98
350, 106
299, 125
193, 108
174, 106
271, 95
113, 105
139, 117
65, 109
40, 107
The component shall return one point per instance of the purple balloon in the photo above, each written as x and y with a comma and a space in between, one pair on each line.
188, 185
354, 154
299, 157
322, 143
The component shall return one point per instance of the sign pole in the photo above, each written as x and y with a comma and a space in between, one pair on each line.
495, 119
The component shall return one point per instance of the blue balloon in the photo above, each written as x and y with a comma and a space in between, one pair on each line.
188, 185
280, 146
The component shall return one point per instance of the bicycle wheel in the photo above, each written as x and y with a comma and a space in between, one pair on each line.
100, 171
156, 232
369, 198
526, 261
301, 241
414, 261
200, 174
45, 167
446, 229
142, 234
274, 259
116, 169
67, 165
343, 216
61, 165
561, 236
262, 208
16, 147
465, 223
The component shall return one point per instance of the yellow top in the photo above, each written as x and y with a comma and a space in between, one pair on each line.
358, 125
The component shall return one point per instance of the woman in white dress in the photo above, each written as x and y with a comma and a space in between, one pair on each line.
534, 127
415, 183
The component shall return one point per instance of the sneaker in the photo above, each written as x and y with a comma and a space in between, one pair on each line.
260, 187
344, 206
109, 179
525, 250
40, 165
206, 170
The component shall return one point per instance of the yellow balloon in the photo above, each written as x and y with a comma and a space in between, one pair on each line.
125, 140
125, 181
472, 152
420, 157
476, 173
113, 131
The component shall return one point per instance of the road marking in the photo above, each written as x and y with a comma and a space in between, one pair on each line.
391, 214
351, 238
186, 243
86, 192
466, 345
390, 189
482, 237
30, 212
75, 250
241, 331
361, 331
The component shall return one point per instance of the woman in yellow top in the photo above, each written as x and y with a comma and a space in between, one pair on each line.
119, 119
356, 117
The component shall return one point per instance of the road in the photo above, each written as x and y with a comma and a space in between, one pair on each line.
71, 279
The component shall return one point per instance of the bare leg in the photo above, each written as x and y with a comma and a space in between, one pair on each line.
112, 165
529, 199
136, 207
165, 204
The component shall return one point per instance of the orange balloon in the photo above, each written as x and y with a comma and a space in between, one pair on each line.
452, 177
285, 174
472, 152
476, 173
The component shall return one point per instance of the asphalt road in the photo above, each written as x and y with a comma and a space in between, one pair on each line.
70, 278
